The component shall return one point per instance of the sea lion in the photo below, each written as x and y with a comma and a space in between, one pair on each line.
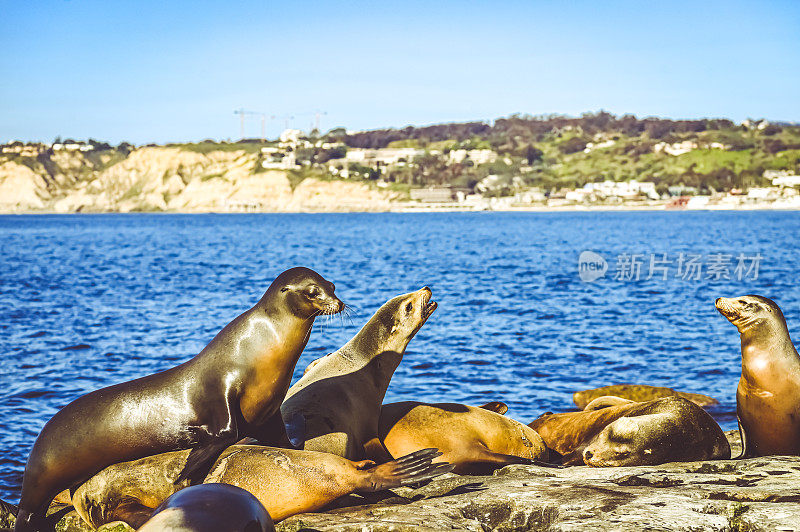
604, 401
285, 481
768, 394
672, 429
210, 508
638, 393
232, 389
474, 439
335, 406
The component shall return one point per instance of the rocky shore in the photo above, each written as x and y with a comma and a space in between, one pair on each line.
725, 495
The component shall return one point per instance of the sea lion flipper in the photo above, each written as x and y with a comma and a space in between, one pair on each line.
743, 436
200, 460
133, 512
296, 430
409, 469
498, 407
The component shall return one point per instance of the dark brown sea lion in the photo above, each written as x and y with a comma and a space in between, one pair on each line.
638, 393
232, 389
210, 508
475, 440
285, 481
335, 405
768, 394
672, 429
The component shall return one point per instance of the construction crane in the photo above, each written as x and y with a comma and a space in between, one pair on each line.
244, 112
317, 115
285, 119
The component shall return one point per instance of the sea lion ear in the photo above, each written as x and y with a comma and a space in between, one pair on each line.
285, 289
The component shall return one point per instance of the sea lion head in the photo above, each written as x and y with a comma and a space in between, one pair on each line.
628, 441
749, 313
305, 292
398, 320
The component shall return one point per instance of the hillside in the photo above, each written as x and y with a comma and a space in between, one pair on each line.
554, 151
177, 179
374, 170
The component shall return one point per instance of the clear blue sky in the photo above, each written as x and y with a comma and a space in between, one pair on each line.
158, 71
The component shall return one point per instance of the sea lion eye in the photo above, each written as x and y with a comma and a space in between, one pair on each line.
409, 307
314, 291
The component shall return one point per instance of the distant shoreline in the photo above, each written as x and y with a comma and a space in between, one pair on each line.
437, 209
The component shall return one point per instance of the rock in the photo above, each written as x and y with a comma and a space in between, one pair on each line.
638, 392
756, 494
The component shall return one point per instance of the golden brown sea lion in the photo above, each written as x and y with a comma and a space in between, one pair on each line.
233, 388
335, 405
475, 440
638, 393
768, 394
285, 481
672, 429
604, 401
210, 508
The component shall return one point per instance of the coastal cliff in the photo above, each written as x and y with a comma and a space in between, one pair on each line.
172, 179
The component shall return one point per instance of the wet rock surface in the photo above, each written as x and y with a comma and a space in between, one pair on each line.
726, 495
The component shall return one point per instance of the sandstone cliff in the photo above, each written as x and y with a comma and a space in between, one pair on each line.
171, 179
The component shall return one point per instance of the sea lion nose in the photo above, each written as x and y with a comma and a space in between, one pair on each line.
716, 301
587, 455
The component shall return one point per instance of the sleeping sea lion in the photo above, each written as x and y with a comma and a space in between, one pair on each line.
672, 429
285, 481
475, 440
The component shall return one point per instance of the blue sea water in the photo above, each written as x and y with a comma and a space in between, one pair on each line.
87, 301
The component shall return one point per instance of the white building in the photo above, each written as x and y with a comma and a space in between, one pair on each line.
787, 181
623, 189
476, 156
782, 178
697, 202
383, 156
677, 148
291, 135
577, 195
529, 196
763, 193
590, 146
